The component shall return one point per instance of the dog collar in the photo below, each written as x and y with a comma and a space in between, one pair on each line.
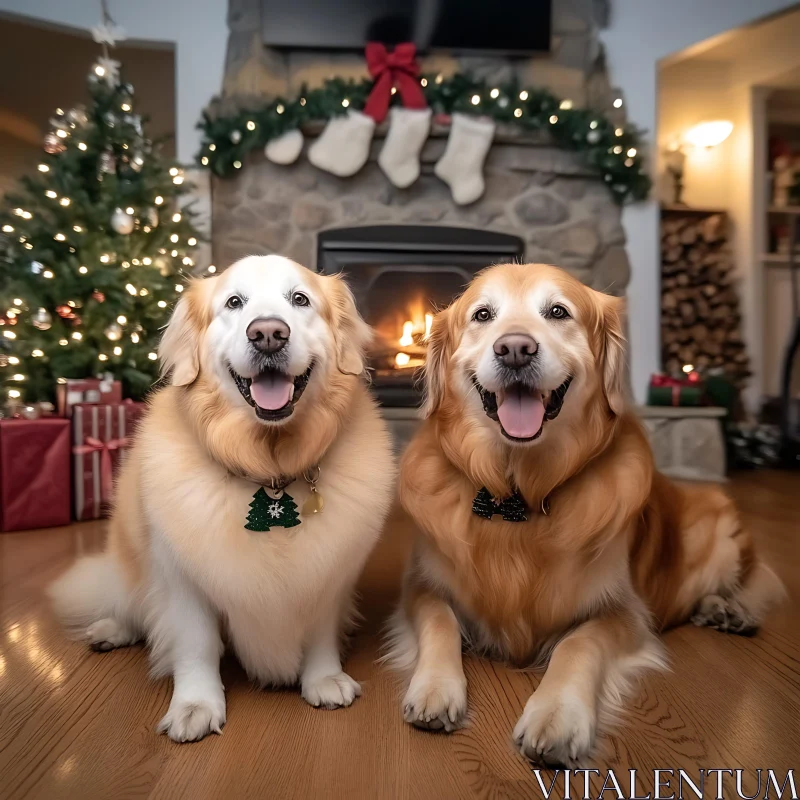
273, 507
512, 509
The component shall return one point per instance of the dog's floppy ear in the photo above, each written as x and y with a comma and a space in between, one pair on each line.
351, 334
440, 350
613, 358
179, 350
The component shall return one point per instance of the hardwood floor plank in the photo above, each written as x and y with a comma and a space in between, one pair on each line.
74, 723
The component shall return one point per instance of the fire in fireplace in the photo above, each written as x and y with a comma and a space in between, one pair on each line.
400, 275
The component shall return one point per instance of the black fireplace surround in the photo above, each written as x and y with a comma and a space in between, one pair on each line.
392, 268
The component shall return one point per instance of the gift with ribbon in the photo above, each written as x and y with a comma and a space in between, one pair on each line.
34, 473
664, 390
396, 70
100, 436
86, 390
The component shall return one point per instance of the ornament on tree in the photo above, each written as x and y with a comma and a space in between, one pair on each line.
59, 121
163, 266
270, 509
110, 119
37, 267
399, 157
151, 217
65, 312
284, 149
106, 163
461, 165
137, 161
53, 144
236, 137
135, 121
122, 222
98, 296
3, 360
78, 116
41, 319
113, 332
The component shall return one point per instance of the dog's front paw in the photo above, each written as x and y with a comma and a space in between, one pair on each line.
331, 691
436, 702
555, 730
108, 634
188, 721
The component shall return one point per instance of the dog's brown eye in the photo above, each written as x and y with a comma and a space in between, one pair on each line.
300, 299
234, 301
482, 315
558, 312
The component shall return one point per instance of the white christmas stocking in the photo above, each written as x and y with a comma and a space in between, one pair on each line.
343, 147
399, 158
284, 149
461, 166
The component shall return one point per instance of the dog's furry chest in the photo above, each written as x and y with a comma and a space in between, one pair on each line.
515, 592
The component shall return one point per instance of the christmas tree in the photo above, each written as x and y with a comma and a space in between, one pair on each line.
267, 512
93, 248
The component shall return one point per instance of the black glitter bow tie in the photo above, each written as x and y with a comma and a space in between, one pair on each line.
512, 509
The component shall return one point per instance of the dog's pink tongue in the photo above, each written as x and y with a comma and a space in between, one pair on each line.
271, 390
521, 413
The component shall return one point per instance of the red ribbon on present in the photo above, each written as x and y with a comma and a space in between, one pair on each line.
676, 384
396, 69
106, 471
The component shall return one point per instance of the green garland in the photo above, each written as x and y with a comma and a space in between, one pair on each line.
614, 152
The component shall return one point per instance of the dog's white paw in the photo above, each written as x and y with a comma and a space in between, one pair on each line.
436, 702
555, 730
108, 634
330, 691
188, 721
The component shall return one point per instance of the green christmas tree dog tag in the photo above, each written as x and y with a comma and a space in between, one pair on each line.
272, 509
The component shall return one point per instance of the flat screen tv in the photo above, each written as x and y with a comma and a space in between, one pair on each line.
458, 26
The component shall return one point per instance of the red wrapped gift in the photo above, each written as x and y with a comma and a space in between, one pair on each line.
100, 436
34, 473
86, 390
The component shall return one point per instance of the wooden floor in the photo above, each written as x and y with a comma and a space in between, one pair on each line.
79, 724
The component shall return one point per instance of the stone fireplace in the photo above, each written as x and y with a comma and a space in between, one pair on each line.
407, 251
400, 275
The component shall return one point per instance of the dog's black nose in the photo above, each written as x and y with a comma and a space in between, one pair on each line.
268, 335
515, 350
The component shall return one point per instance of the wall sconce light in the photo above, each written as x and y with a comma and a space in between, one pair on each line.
709, 134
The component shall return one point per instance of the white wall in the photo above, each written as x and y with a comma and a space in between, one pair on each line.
196, 27
642, 32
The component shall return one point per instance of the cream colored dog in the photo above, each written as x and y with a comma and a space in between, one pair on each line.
266, 371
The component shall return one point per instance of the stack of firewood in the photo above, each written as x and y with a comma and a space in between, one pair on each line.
700, 314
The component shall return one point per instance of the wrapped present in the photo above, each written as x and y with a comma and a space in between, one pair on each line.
667, 391
86, 390
34, 473
100, 436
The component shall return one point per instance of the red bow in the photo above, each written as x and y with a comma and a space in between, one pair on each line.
397, 69
106, 473
676, 384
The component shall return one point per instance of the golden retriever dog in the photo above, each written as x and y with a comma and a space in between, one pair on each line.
267, 405
546, 533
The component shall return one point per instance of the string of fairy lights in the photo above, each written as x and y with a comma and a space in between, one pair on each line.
77, 234
609, 144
